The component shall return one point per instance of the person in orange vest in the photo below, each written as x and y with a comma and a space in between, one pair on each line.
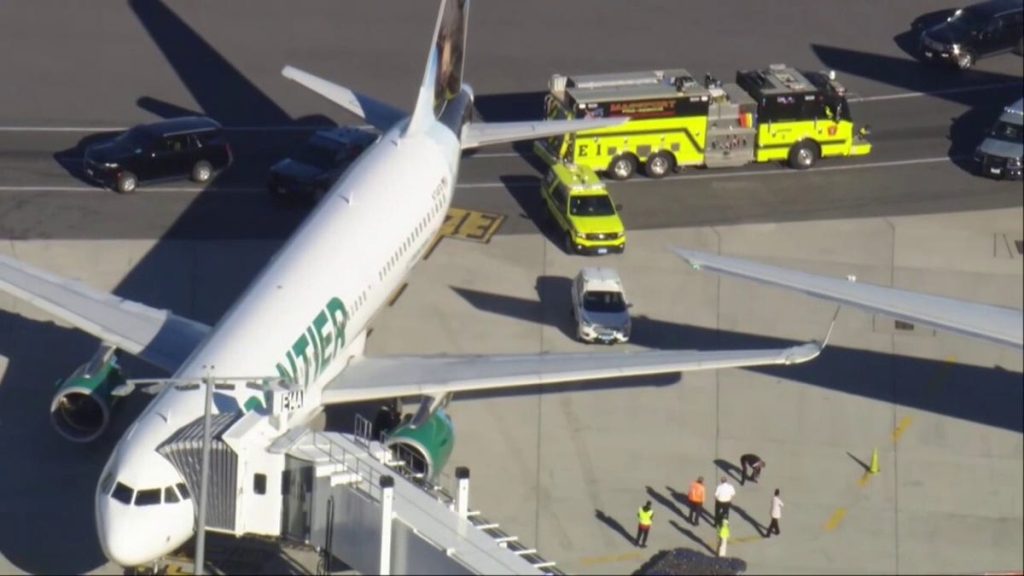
645, 517
696, 500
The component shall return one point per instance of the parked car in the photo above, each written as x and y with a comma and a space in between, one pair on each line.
315, 167
976, 31
599, 306
190, 147
580, 206
999, 155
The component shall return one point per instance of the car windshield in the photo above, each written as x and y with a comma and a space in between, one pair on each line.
317, 154
967, 19
591, 206
601, 301
1007, 132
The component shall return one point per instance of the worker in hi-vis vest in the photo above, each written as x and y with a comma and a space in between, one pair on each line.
723, 537
645, 516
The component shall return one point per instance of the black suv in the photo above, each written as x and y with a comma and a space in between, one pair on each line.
979, 30
318, 163
191, 147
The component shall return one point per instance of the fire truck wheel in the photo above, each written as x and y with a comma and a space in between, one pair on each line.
622, 167
658, 165
803, 155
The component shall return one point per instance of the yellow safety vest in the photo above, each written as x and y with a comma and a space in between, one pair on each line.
723, 531
645, 517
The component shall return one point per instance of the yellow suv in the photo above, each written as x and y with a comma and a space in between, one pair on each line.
581, 207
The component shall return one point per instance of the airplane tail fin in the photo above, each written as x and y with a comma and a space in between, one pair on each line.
442, 78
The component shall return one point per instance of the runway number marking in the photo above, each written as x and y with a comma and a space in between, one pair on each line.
471, 225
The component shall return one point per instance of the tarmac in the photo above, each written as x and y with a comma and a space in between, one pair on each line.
565, 469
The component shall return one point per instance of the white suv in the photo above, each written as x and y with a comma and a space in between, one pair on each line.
599, 306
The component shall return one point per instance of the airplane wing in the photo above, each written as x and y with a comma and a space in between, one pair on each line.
156, 336
997, 324
475, 134
380, 115
397, 376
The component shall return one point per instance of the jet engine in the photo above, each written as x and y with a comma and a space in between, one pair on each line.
80, 410
426, 447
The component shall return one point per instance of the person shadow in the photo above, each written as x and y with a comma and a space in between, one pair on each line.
614, 525
761, 529
666, 502
730, 469
689, 534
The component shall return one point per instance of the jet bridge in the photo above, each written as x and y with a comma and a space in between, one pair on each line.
345, 494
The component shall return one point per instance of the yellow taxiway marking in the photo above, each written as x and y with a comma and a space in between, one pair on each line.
865, 479
743, 539
627, 557
901, 428
835, 520
471, 225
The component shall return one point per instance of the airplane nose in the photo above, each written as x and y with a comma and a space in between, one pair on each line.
129, 539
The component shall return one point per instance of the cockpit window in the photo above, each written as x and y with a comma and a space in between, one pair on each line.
170, 496
183, 490
147, 497
122, 493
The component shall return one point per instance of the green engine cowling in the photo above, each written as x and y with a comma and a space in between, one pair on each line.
80, 410
425, 449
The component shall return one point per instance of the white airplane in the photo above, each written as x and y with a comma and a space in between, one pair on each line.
304, 317
994, 323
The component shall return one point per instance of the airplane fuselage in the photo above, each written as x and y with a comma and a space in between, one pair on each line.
301, 318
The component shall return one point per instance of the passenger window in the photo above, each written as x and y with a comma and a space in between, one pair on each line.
122, 493
259, 483
170, 496
147, 497
183, 490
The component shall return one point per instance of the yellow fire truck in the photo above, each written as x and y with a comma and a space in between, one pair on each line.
776, 114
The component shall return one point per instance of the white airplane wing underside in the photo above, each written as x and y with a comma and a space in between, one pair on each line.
994, 323
397, 376
156, 336
477, 134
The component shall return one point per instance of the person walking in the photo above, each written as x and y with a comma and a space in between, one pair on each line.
723, 538
723, 500
777, 505
755, 463
645, 517
696, 499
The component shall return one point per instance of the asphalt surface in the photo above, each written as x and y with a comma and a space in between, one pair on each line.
85, 69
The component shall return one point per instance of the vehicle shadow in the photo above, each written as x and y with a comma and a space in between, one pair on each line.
879, 375
968, 130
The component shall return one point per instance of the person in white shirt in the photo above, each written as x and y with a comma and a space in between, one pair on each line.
723, 500
776, 515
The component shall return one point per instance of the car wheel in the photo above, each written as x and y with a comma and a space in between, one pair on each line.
964, 60
127, 182
202, 171
803, 155
658, 165
622, 167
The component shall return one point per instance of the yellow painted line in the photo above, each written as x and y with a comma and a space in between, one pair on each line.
397, 294
627, 557
901, 428
471, 225
745, 539
835, 520
865, 479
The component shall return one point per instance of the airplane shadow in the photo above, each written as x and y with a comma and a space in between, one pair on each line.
996, 398
48, 504
614, 525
